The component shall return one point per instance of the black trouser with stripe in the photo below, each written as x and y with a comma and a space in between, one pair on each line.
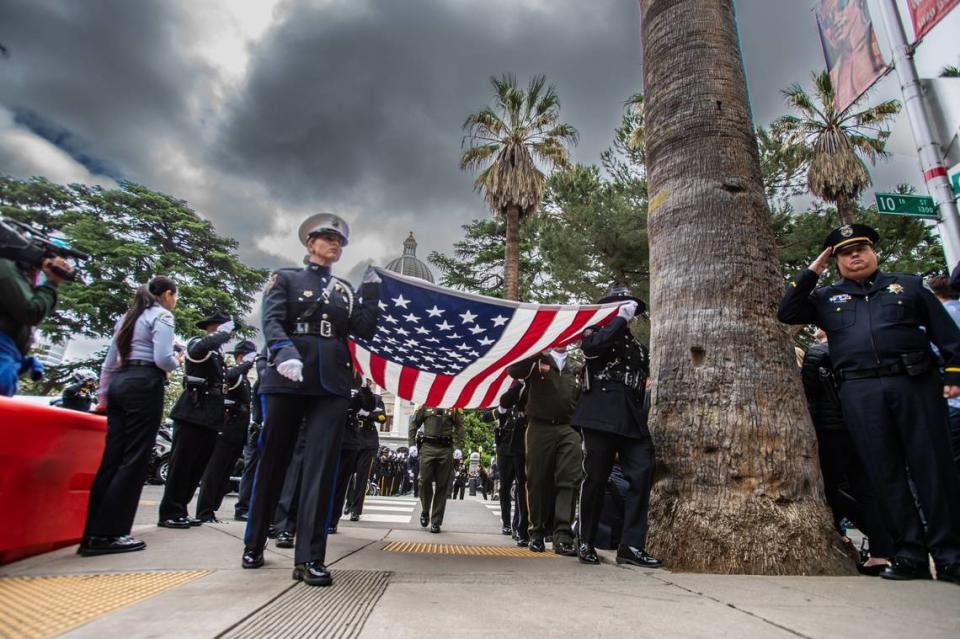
285, 519
251, 457
216, 478
193, 446
636, 458
347, 466
900, 422
511, 468
358, 488
134, 412
323, 419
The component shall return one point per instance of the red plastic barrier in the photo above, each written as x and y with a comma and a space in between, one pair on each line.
48, 457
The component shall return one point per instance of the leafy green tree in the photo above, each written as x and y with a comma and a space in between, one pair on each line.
132, 234
834, 144
476, 264
506, 142
478, 436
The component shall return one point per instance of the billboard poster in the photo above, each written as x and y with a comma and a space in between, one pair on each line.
850, 48
927, 13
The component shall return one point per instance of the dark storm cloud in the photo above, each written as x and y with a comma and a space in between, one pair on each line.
361, 104
110, 72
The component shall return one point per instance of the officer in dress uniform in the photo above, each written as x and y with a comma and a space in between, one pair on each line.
216, 478
442, 429
251, 451
880, 326
80, 395
611, 417
197, 418
308, 315
368, 429
361, 400
511, 460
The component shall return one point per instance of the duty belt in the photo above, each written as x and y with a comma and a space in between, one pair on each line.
323, 328
438, 439
627, 378
882, 371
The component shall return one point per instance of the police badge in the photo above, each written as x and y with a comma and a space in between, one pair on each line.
896, 289
846, 231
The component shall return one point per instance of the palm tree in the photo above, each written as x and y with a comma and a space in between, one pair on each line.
506, 142
737, 483
835, 143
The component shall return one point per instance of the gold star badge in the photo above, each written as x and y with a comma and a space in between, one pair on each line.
896, 289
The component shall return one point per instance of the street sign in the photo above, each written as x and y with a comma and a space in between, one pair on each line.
909, 205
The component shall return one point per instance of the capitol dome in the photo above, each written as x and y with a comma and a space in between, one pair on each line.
408, 264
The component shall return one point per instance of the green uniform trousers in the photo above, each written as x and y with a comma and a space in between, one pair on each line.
436, 467
554, 471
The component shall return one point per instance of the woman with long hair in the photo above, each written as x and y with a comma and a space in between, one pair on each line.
131, 393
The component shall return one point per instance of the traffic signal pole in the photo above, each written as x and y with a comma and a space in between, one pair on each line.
928, 149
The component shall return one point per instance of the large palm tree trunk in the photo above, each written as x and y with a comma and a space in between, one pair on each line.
738, 489
511, 263
845, 209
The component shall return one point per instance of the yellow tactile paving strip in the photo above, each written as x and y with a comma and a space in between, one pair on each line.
35, 607
475, 551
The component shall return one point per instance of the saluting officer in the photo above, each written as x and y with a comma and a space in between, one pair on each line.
216, 478
880, 326
308, 315
197, 418
611, 417
442, 429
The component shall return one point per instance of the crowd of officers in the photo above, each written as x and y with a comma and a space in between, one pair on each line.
572, 440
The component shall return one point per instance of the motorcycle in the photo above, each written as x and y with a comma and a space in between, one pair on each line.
160, 458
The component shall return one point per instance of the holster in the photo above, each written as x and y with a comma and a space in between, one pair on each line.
915, 364
196, 388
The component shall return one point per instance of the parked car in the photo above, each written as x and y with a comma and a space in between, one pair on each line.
160, 459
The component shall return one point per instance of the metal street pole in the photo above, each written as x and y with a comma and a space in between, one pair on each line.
934, 172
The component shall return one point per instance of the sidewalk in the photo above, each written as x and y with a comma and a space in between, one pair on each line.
201, 591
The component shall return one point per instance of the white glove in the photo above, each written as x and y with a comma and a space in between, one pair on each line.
248, 357
226, 327
292, 369
371, 277
628, 310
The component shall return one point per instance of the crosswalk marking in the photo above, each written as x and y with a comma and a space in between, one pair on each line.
394, 509
385, 519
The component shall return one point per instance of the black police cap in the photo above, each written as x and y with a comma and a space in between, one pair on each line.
851, 234
244, 346
217, 317
622, 294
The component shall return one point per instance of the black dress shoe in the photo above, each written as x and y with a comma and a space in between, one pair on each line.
587, 554
354, 517
284, 540
523, 542
636, 557
903, 569
312, 573
424, 519
871, 571
252, 557
193, 521
332, 530
506, 530
949, 572
548, 539
537, 545
179, 523
565, 548
91, 546
435, 528
240, 517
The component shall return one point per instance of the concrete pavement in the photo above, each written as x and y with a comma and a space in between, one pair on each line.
379, 593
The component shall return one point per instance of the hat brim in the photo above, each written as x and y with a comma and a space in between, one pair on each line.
641, 305
853, 241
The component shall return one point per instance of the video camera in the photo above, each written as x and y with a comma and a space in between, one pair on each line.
22, 243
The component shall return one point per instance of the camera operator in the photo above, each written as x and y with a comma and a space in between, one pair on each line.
25, 303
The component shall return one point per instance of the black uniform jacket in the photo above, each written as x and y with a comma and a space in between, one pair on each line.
295, 296
872, 324
361, 399
237, 416
552, 395
606, 404
205, 406
513, 422
819, 385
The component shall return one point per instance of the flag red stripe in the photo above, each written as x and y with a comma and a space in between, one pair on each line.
438, 389
408, 379
377, 367
570, 333
541, 322
491, 395
353, 356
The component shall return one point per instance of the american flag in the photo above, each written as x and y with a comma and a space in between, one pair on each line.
449, 349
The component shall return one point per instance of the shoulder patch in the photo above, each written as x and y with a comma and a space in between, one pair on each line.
166, 318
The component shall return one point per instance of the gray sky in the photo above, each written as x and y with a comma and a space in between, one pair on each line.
261, 112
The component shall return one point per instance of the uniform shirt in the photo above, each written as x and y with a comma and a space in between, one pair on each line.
953, 308
23, 305
871, 324
153, 335
552, 395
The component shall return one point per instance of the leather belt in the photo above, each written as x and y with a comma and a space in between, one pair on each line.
881, 371
139, 362
323, 328
628, 379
